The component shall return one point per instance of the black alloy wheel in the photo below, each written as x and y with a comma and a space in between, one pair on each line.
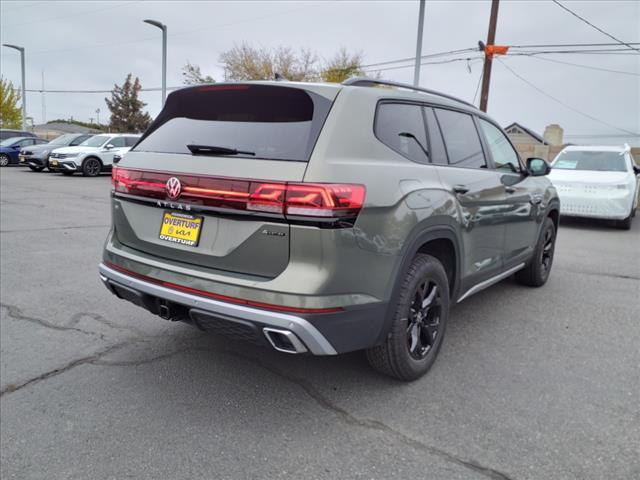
423, 319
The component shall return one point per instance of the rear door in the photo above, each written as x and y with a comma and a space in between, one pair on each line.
183, 194
479, 192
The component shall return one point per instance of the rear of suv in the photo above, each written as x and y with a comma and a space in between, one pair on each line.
324, 218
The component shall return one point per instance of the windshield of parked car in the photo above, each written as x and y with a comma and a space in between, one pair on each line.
591, 160
96, 141
271, 122
10, 141
63, 139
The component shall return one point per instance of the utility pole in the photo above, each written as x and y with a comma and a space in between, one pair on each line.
416, 71
488, 57
98, 115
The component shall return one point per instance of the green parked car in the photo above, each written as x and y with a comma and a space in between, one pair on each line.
325, 218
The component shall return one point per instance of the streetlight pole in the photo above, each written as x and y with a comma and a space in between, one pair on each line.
24, 88
416, 71
162, 27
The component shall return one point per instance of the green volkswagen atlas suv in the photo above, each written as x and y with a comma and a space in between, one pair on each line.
325, 218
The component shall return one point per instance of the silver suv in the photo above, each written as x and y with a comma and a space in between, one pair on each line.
92, 156
325, 218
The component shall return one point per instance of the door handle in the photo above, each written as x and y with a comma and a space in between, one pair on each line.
510, 189
460, 189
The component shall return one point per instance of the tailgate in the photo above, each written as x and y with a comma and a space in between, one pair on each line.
195, 208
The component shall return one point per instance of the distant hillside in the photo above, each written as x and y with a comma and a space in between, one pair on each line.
87, 125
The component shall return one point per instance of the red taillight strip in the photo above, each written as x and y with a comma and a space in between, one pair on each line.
224, 298
327, 201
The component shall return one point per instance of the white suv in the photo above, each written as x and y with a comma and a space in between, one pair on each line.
93, 156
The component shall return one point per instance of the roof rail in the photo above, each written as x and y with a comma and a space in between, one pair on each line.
370, 82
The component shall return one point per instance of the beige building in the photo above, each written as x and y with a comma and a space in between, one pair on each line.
531, 144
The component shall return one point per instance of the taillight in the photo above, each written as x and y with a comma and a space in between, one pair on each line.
324, 200
290, 200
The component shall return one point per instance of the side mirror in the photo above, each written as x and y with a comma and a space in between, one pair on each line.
538, 167
108, 146
636, 169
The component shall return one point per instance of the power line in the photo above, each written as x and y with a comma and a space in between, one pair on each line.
72, 15
607, 51
412, 59
539, 90
150, 89
30, 4
478, 87
558, 45
584, 66
594, 26
175, 34
451, 60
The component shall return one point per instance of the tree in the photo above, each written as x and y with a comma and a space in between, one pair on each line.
192, 75
10, 113
342, 66
244, 62
126, 107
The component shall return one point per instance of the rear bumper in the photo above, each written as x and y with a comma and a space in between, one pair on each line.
236, 320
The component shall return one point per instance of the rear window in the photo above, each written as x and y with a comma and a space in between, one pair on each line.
461, 139
279, 123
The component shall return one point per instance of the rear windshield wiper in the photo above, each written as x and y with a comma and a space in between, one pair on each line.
213, 150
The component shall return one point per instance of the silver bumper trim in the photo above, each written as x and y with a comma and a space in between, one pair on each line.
312, 338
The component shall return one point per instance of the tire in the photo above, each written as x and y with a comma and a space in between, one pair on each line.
412, 344
91, 167
536, 273
626, 223
4, 160
36, 169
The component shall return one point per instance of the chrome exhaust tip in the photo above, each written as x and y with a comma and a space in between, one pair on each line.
284, 340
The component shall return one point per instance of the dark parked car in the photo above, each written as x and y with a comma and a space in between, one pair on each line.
9, 133
36, 157
10, 148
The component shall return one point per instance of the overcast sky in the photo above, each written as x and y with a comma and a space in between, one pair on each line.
92, 45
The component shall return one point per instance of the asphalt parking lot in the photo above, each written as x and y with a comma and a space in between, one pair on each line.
530, 384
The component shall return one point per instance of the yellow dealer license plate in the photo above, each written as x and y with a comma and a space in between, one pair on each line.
54, 163
181, 228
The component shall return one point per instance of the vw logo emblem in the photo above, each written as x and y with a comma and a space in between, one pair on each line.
174, 188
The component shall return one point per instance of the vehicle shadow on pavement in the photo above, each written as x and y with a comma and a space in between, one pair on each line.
595, 224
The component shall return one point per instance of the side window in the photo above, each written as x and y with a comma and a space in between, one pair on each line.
78, 140
130, 141
504, 156
394, 119
117, 142
461, 139
437, 150
26, 142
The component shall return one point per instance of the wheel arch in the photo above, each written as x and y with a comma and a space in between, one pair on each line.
440, 241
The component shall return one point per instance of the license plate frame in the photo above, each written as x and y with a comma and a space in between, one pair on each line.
181, 228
